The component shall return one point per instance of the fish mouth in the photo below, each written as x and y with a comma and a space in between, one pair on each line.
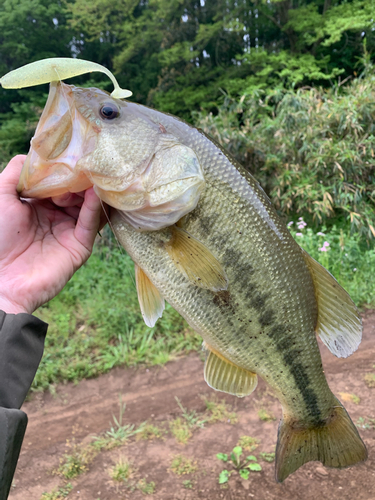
63, 136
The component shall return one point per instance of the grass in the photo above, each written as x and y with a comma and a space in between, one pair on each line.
181, 465
95, 323
180, 430
145, 487
76, 461
149, 432
122, 471
219, 411
58, 494
369, 379
248, 443
118, 433
345, 255
349, 398
265, 415
267, 457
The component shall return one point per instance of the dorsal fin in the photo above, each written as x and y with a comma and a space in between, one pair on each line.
150, 301
196, 261
339, 324
223, 375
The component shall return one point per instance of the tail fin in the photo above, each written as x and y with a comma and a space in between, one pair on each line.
336, 443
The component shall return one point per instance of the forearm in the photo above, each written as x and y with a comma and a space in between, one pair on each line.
21, 348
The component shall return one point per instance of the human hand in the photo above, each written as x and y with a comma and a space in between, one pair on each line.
42, 242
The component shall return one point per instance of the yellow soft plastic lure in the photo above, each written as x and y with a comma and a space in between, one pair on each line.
56, 69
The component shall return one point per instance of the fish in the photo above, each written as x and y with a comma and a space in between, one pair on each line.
205, 237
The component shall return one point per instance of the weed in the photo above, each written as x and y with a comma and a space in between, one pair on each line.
180, 430
58, 494
219, 411
118, 434
75, 463
182, 465
187, 484
150, 432
347, 397
365, 423
192, 419
248, 443
267, 457
242, 466
122, 470
145, 487
370, 379
265, 415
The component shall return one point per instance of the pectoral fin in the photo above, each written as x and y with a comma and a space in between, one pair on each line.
223, 375
150, 301
196, 261
339, 324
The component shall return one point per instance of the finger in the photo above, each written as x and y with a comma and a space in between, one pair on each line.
89, 219
10, 175
68, 200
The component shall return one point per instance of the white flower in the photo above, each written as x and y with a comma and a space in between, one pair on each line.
320, 234
290, 223
299, 234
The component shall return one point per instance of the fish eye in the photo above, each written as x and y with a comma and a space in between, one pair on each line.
109, 111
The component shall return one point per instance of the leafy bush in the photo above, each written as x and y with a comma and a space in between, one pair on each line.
311, 149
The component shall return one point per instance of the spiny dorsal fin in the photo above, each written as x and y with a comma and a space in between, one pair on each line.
339, 324
196, 261
150, 301
223, 375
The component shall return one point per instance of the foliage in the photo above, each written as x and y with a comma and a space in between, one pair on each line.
58, 494
312, 150
219, 411
182, 465
122, 471
145, 487
242, 465
345, 255
248, 443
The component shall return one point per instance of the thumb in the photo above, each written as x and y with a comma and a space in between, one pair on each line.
10, 175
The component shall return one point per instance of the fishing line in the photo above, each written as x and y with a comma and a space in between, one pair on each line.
122, 250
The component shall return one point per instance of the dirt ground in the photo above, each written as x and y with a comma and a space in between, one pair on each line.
80, 411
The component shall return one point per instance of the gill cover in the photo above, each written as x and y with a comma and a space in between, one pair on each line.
86, 137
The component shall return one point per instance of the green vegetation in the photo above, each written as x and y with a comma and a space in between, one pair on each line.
145, 487
241, 465
58, 494
248, 443
180, 430
265, 415
76, 461
370, 379
122, 471
150, 432
267, 457
350, 259
183, 465
219, 411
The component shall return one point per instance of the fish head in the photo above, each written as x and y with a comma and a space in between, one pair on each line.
87, 138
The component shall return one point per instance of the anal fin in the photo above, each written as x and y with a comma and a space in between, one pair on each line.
339, 323
222, 375
151, 302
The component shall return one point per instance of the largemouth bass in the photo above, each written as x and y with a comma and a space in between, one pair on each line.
205, 237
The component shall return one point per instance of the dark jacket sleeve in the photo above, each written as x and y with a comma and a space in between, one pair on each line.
21, 349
